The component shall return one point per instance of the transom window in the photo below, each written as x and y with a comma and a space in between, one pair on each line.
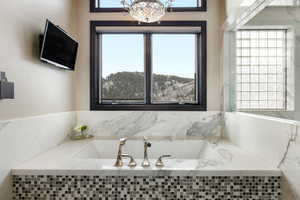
148, 70
261, 69
115, 5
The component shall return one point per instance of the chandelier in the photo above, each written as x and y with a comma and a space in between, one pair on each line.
147, 11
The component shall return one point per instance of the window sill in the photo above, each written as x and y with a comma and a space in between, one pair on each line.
152, 107
262, 110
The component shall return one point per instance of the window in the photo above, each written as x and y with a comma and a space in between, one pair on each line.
261, 69
137, 69
174, 68
115, 5
108, 4
122, 78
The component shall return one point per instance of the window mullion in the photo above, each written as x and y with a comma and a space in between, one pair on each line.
99, 61
199, 73
148, 67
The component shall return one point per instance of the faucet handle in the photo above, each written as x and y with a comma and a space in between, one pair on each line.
123, 140
148, 144
132, 162
145, 138
159, 162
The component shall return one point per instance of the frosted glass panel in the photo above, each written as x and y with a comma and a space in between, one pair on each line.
260, 75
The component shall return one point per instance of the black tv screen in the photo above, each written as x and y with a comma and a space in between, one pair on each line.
58, 48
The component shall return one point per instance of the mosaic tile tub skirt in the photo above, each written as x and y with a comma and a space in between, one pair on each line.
43, 187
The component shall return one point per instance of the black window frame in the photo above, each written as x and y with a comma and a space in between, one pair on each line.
202, 8
95, 66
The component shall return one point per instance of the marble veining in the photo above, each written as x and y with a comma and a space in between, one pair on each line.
291, 158
138, 123
290, 165
226, 154
207, 126
293, 139
203, 163
74, 158
279, 137
219, 157
128, 124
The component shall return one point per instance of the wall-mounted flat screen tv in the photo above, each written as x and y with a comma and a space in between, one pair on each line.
58, 48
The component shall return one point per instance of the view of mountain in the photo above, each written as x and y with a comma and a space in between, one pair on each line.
130, 86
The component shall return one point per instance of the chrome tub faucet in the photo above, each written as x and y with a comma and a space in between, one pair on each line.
146, 162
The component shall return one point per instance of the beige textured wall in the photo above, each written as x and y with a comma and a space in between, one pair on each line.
214, 17
39, 88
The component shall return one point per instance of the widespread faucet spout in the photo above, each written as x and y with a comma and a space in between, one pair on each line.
119, 161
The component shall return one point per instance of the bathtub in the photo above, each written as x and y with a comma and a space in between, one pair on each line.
189, 158
198, 169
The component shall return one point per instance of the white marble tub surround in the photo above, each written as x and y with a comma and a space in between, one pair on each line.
273, 139
262, 136
158, 123
96, 157
290, 167
23, 139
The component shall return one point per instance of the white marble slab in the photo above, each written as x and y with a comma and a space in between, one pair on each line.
273, 139
147, 172
146, 123
23, 139
222, 159
264, 137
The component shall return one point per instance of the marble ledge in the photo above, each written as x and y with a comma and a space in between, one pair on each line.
97, 158
145, 172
